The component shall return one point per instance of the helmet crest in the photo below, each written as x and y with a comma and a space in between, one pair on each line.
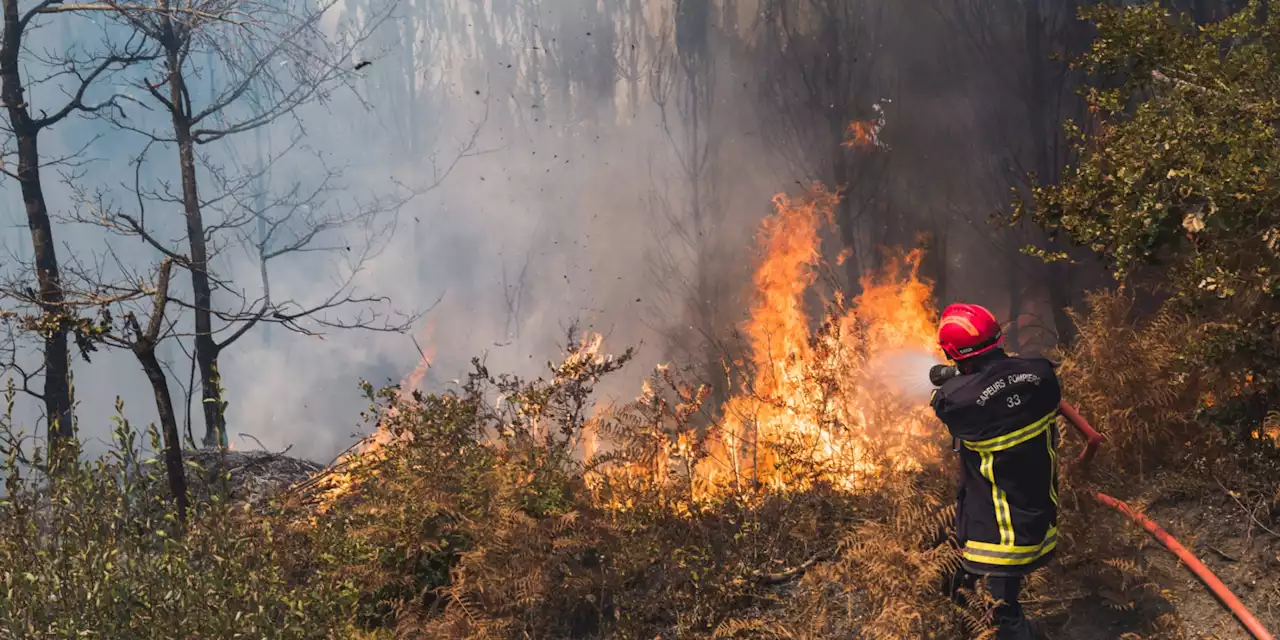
968, 330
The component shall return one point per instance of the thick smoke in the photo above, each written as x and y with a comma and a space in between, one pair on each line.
553, 190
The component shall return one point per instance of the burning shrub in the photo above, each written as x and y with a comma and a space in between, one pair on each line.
515, 508
457, 486
813, 407
478, 523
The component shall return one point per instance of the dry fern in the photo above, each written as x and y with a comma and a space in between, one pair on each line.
752, 628
1128, 381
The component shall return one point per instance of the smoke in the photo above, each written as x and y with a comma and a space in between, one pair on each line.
553, 191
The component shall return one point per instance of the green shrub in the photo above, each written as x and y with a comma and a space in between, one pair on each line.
93, 550
1179, 173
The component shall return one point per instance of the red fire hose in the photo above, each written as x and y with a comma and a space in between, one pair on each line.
1093, 440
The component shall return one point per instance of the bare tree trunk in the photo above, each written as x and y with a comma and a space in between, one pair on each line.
1060, 299
704, 305
144, 347
201, 292
57, 393
1200, 11
1058, 281
169, 426
635, 20
408, 37
535, 65
934, 262
1037, 88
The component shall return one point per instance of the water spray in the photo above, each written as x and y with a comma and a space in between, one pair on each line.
939, 374
900, 370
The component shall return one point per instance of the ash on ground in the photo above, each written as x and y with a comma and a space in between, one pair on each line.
251, 476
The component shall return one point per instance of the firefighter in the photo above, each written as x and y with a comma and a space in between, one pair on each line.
1001, 411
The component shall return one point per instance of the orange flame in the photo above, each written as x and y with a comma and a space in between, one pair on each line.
862, 133
813, 408
812, 396
381, 436
369, 449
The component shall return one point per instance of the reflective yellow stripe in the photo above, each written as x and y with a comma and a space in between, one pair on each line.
979, 556
1010, 555
1008, 440
978, 545
1053, 469
998, 499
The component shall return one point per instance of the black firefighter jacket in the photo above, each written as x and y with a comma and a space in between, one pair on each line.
1003, 416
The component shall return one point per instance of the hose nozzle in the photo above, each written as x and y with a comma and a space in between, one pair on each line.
940, 373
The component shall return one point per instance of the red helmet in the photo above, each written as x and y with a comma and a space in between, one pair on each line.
967, 330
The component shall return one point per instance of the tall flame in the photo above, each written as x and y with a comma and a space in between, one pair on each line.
813, 396
411, 383
812, 405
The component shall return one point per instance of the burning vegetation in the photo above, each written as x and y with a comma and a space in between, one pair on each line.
808, 496
812, 408
809, 504
808, 392
535, 497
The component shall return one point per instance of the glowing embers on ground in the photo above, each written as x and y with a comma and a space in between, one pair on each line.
812, 408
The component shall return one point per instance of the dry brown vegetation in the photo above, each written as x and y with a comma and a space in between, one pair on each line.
477, 519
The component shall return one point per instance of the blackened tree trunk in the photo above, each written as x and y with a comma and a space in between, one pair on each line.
198, 265
1201, 11
934, 262
169, 426
693, 51
54, 323
1013, 335
144, 347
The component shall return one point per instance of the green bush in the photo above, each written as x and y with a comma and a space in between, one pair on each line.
1179, 173
94, 550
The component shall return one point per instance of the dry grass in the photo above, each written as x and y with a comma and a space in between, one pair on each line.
478, 519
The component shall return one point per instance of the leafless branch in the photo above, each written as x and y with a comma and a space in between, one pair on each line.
86, 81
229, 17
